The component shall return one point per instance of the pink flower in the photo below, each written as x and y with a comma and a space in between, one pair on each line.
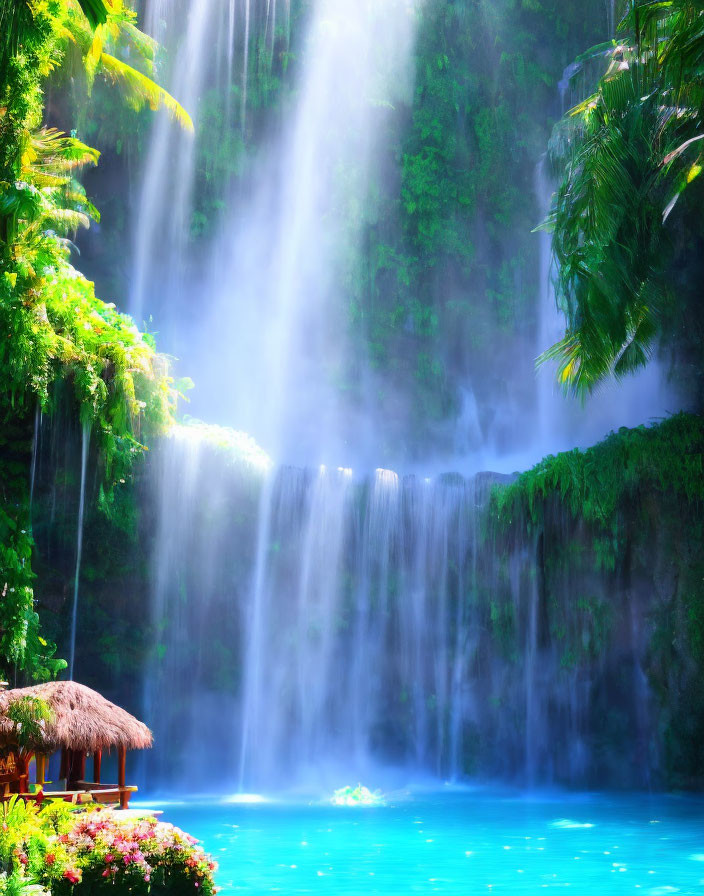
50, 858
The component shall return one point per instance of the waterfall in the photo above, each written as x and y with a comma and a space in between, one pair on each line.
314, 619
313, 626
85, 441
245, 60
532, 709
269, 276
165, 203
345, 607
611, 22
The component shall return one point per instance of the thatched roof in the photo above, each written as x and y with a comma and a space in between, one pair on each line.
82, 719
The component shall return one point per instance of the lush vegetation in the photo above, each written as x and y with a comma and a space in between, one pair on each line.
626, 220
595, 485
63, 851
58, 340
619, 525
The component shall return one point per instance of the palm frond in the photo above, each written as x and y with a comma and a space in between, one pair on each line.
52, 151
626, 162
141, 90
65, 220
96, 11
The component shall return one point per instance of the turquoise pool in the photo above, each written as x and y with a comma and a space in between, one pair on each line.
456, 843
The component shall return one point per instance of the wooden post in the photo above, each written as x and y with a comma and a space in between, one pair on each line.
76, 768
124, 795
81, 769
24, 759
63, 771
40, 760
97, 757
121, 756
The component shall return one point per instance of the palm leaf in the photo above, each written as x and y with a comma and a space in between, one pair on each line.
51, 151
141, 90
96, 11
65, 219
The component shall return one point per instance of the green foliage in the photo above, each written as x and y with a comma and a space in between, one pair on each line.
53, 329
595, 485
21, 644
27, 716
16, 885
628, 153
619, 523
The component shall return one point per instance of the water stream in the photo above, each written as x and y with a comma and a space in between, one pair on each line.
85, 442
35, 450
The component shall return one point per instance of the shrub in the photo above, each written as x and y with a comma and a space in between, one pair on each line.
96, 849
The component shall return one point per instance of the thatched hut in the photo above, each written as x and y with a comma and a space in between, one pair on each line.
82, 722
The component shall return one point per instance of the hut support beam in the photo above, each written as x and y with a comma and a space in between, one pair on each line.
80, 766
97, 758
40, 760
63, 771
121, 760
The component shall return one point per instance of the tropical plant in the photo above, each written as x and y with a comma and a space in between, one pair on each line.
629, 152
100, 47
16, 885
28, 715
54, 328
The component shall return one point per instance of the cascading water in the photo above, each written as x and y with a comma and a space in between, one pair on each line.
168, 180
611, 17
313, 627
312, 623
332, 671
85, 441
271, 327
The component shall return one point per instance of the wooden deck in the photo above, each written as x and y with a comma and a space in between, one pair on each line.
86, 792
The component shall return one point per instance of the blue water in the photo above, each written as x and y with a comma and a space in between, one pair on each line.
459, 843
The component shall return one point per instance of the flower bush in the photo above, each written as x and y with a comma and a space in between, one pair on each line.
97, 849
